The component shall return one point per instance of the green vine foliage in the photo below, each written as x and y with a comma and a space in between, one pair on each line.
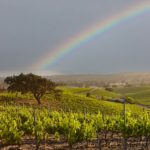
14, 125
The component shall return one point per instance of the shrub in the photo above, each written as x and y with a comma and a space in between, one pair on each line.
109, 89
128, 85
88, 94
129, 100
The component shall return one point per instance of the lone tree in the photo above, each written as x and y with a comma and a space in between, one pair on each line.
31, 83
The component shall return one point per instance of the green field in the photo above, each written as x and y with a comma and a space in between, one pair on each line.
17, 122
139, 94
126, 90
69, 90
101, 92
142, 97
76, 102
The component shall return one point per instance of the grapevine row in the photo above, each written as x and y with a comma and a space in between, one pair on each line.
16, 122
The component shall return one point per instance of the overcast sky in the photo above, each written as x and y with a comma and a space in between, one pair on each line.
30, 29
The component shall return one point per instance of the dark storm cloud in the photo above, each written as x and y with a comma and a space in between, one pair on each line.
31, 28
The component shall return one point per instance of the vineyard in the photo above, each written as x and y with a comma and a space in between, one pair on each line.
74, 102
102, 92
74, 122
69, 90
47, 128
139, 94
131, 89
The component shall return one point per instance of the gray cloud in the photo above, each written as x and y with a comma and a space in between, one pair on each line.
30, 29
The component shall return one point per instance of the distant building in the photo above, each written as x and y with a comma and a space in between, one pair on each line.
117, 84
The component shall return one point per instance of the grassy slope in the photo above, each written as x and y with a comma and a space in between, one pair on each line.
75, 102
142, 97
69, 90
139, 94
101, 92
126, 90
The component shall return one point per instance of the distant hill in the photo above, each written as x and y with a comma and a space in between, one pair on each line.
136, 77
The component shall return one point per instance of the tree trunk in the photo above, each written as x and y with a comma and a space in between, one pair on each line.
39, 102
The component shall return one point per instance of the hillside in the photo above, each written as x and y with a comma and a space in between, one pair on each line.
126, 90
73, 102
139, 94
138, 77
99, 80
142, 97
100, 92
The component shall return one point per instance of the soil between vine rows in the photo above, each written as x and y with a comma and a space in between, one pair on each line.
115, 143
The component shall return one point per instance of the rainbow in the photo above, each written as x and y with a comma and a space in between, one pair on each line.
92, 33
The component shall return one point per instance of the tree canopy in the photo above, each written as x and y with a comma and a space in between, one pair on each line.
31, 83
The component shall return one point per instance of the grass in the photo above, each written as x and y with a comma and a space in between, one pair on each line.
139, 94
142, 97
93, 105
101, 92
69, 90
126, 90
75, 102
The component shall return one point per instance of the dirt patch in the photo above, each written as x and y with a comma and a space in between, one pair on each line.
92, 90
144, 106
108, 142
43, 103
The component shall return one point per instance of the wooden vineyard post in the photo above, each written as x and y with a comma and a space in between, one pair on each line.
124, 123
143, 109
23, 106
31, 108
48, 111
39, 109
103, 117
65, 109
7, 114
69, 111
61, 113
79, 114
84, 113
98, 139
17, 116
35, 129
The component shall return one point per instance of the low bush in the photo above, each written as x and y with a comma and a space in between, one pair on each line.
109, 89
129, 100
88, 94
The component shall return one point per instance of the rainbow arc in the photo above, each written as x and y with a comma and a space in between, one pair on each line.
92, 33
